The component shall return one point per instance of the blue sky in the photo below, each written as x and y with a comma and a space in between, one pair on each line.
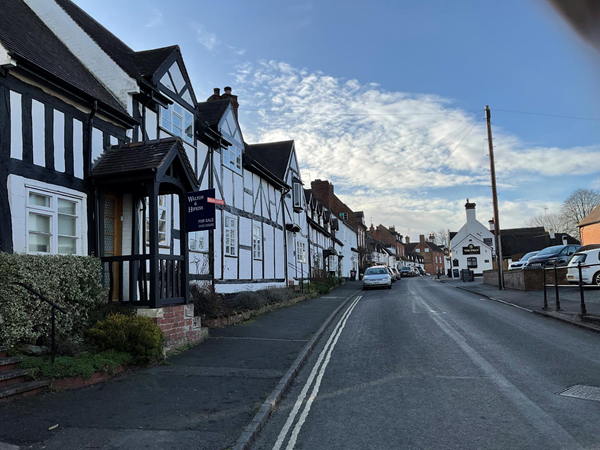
372, 91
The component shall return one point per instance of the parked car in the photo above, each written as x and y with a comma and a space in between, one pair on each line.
559, 254
422, 271
392, 274
589, 274
521, 263
377, 276
397, 275
406, 271
416, 271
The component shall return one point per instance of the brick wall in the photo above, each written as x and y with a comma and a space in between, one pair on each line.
177, 323
590, 234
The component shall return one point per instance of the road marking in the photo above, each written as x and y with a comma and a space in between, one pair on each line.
547, 426
300, 400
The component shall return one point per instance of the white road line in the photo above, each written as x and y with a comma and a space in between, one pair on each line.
317, 385
541, 420
300, 399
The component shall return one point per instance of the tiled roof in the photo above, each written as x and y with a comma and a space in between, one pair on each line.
591, 218
213, 111
274, 156
148, 62
411, 247
139, 157
24, 34
524, 240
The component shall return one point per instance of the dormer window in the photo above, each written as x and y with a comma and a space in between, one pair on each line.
178, 121
297, 195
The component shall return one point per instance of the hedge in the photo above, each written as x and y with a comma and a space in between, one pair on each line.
72, 282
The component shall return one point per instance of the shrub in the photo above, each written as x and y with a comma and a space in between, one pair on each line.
249, 300
278, 295
207, 302
84, 365
72, 282
136, 335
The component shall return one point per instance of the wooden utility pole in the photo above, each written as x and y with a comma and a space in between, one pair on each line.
497, 238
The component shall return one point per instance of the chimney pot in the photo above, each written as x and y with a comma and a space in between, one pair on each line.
227, 89
421, 238
217, 91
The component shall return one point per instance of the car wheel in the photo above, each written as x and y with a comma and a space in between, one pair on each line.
390, 286
596, 279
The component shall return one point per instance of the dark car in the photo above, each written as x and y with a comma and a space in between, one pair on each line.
406, 272
559, 254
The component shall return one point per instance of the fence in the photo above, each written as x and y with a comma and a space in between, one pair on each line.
566, 277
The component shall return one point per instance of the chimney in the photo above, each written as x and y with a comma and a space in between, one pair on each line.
432, 238
422, 238
216, 95
393, 229
470, 207
372, 229
233, 98
491, 223
323, 190
407, 239
552, 235
564, 241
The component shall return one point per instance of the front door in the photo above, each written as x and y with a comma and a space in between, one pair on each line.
112, 235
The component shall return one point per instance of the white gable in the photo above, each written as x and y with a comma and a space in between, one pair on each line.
230, 128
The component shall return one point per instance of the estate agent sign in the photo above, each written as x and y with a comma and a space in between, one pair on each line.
471, 250
201, 210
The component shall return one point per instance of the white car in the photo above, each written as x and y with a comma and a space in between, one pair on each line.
522, 262
378, 276
589, 274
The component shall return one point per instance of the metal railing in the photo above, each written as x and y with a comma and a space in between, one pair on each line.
53, 312
580, 285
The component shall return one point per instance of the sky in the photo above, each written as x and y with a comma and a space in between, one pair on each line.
386, 99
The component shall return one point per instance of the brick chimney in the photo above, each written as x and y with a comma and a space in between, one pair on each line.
216, 95
233, 98
408, 239
470, 208
431, 238
323, 190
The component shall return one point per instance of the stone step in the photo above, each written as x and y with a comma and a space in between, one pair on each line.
3, 350
9, 363
22, 389
11, 377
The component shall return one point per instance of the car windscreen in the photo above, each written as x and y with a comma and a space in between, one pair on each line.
376, 272
529, 255
551, 250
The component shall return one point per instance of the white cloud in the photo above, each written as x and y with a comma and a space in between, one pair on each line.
157, 18
395, 155
206, 38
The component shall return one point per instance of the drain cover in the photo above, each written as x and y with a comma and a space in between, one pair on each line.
583, 392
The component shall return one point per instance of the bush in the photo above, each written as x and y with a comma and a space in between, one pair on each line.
72, 282
207, 303
278, 295
84, 365
249, 300
136, 335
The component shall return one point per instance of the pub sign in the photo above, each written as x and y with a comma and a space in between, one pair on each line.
471, 250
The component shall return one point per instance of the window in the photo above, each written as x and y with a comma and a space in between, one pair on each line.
471, 262
178, 121
52, 223
418, 250
455, 263
301, 251
487, 241
297, 194
196, 241
344, 216
426, 249
230, 226
163, 220
257, 242
232, 159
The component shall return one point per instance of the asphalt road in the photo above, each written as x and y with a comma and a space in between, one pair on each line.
426, 365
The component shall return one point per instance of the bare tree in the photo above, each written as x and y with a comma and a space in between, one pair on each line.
441, 237
579, 204
555, 221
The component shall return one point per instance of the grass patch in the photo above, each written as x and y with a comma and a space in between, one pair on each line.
83, 365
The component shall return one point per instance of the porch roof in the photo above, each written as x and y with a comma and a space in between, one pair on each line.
145, 160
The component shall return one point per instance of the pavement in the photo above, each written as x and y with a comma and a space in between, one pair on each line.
202, 398
569, 298
429, 366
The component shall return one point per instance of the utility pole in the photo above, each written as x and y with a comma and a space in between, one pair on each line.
497, 238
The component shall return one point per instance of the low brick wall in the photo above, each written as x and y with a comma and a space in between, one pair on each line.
525, 280
177, 323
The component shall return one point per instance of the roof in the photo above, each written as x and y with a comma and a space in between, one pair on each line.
591, 218
24, 34
274, 156
213, 111
524, 240
139, 157
148, 62
409, 248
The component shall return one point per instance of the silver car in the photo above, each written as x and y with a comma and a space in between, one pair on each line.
377, 277
522, 262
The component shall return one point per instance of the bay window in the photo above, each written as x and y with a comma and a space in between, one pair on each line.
178, 121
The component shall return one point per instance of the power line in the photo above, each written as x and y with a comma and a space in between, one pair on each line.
367, 113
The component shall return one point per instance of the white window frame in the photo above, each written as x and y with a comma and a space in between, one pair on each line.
257, 241
187, 120
297, 195
301, 251
230, 244
426, 249
232, 159
166, 206
197, 241
51, 211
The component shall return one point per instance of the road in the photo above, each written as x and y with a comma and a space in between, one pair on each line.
426, 365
